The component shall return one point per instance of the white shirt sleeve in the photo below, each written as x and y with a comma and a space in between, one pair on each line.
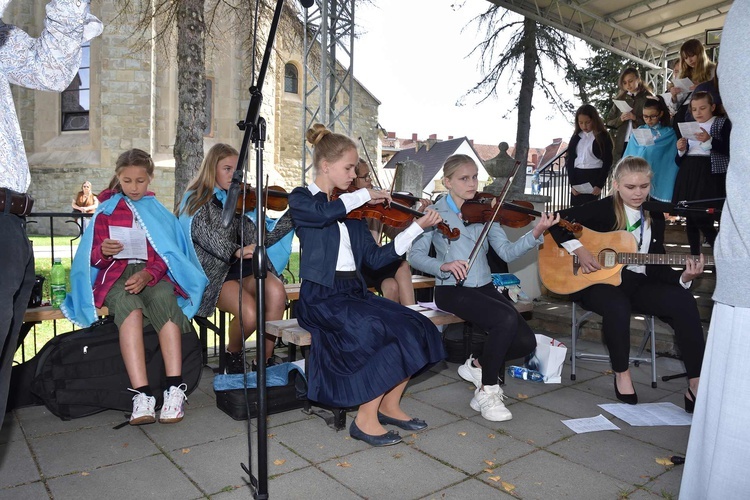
355, 199
403, 240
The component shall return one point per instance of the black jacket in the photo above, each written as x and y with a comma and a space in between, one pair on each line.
596, 176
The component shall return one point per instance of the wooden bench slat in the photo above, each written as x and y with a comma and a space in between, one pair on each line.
49, 313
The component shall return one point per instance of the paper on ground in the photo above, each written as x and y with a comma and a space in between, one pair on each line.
649, 414
133, 241
623, 106
585, 188
593, 424
644, 137
689, 129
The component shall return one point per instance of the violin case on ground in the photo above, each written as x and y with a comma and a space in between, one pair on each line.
80, 373
286, 389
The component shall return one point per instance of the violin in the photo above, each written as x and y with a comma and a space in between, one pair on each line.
394, 214
517, 213
278, 198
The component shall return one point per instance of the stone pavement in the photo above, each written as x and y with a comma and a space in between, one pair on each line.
460, 455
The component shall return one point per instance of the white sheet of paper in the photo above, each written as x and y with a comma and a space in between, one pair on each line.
644, 137
682, 83
592, 424
689, 129
133, 241
585, 188
667, 96
623, 106
649, 414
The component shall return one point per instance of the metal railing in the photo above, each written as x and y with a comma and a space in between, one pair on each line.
553, 178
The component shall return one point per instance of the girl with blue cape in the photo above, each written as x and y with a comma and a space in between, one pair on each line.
159, 282
660, 151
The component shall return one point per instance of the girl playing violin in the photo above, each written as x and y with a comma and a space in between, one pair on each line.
477, 301
364, 347
657, 290
220, 253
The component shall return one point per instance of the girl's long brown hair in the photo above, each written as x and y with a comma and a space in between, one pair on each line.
203, 183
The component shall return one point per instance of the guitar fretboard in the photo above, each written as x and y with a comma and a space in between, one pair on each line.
668, 259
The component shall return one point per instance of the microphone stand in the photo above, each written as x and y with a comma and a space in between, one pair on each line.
254, 128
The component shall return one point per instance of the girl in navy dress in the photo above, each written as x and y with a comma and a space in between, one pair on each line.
364, 347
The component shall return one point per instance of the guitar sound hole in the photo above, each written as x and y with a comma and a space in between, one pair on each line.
607, 259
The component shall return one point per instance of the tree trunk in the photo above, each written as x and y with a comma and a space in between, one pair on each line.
528, 80
191, 88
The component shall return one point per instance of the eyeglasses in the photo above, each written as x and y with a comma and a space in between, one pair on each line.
650, 117
365, 177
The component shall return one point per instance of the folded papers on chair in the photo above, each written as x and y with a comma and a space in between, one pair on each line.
276, 376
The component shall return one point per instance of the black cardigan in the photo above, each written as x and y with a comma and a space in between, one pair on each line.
600, 216
596, 176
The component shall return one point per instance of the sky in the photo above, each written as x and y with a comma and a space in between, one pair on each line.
413, 56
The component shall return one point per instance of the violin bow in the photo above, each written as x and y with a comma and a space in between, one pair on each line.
487, 225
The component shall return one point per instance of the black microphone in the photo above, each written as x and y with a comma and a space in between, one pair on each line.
227, 213
307, 3
660, 206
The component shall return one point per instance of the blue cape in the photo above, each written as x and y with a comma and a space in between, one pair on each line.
660, 156
166, 238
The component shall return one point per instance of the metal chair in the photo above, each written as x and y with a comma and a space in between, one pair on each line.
649, 333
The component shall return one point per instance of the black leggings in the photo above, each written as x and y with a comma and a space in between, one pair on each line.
509, 337
640, 293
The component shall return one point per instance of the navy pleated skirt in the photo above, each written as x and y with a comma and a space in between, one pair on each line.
362, 345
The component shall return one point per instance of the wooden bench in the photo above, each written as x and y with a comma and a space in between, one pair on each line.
294, 335
35, 315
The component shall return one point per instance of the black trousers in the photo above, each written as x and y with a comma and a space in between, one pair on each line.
643, 294
508, 335
16, 282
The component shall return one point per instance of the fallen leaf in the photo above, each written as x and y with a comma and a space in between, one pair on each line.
490, 436
494, 478
462, 434
279, 461
489, 462
85, 473
608, 372
125, 445
397, 455
344, 464
271, 436
185, 451
489, 471
664, 461
522, 396
508, 487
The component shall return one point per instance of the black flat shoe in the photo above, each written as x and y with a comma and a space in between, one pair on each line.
631, 399
387, 439
690, 404
414, 424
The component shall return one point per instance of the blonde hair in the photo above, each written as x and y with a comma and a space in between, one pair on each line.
327, 146
628, 165
454, 162
203, 183
704, 69
131, 158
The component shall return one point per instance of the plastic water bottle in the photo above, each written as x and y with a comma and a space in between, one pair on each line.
57, 283
536, 186
525, 374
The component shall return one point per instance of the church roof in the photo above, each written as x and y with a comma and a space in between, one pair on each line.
431, 158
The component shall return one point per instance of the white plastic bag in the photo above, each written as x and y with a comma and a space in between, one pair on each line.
548, 358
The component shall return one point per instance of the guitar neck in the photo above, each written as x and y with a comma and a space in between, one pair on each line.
669, 259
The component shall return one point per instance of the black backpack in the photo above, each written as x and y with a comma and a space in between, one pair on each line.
80, 373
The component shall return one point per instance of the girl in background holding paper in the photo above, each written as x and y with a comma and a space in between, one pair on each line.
161, 285
478, 300
703, 160
633, 93
655, 142
653, 289
589, 157
695, 66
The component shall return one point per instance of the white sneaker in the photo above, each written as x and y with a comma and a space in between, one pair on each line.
471, 373
174, 399
489, 401
143, 409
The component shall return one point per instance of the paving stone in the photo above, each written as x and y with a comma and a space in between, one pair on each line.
309, 482
11, 429
88, 449
212, 422
667, 485
466, 445
469, 488
17, 464
542, 475
604, 387
427, 380
33, 491
613, 454
316, 442
391, 472
453, 398
570, 402
151, 477
39, 421
535, 426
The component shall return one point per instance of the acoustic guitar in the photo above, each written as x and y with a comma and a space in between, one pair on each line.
560, 272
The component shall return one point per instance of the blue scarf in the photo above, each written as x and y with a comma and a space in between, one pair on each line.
166, 238
279, 252
660, 156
